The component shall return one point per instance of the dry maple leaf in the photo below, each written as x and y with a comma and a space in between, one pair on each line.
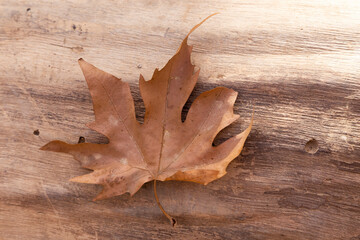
163, 147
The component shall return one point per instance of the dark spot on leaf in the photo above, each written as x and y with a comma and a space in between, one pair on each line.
36, 132
312, 146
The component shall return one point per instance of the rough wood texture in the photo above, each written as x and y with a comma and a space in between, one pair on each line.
295, 62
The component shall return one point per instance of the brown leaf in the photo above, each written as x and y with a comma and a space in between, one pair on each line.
163, 147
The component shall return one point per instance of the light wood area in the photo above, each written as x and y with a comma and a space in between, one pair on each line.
296, 63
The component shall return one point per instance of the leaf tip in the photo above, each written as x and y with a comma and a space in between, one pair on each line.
43, 148
100, 196
73, 179
56, 146
49, 146
82, 63
252, 118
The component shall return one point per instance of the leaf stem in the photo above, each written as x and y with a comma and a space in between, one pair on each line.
172, 220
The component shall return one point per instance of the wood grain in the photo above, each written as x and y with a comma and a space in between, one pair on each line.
295, 62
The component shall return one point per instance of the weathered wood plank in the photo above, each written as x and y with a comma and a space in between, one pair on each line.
295, 63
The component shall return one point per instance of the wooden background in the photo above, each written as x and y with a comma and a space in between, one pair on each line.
297, 63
